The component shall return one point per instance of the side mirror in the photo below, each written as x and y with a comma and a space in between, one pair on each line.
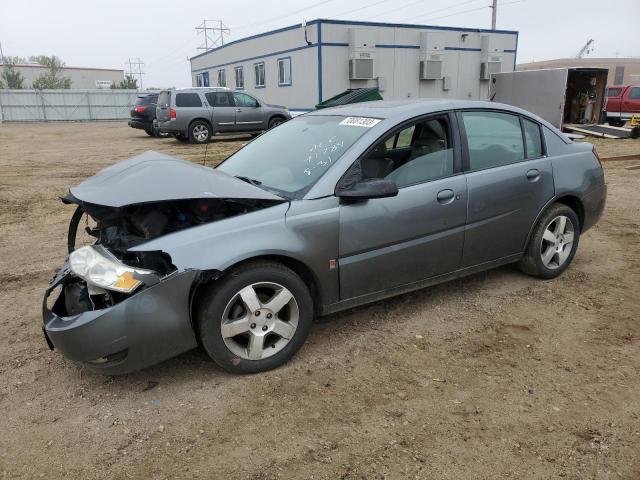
366, 189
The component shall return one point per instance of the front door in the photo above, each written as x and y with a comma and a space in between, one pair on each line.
419, 233
249, 113
509, 180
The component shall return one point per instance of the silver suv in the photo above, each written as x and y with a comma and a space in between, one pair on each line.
196, 114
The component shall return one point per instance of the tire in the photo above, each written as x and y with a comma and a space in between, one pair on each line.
615, 122
221, 306
181, 138
635, 132
540, 259
199, 132
275, 121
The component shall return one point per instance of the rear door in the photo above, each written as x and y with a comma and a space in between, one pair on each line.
249, 113
509, 180
162, 107
224, 111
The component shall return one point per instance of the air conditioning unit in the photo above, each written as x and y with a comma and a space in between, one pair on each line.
431, 55
431, 68
491, 57
361, 69
362, 54
491, 66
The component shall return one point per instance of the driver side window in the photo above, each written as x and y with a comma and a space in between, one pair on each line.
416, 154
244, 100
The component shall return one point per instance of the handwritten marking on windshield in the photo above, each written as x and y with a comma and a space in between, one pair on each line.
323, 153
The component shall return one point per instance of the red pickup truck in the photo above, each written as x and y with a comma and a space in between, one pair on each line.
622, 103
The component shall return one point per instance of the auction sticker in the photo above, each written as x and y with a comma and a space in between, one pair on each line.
360, 122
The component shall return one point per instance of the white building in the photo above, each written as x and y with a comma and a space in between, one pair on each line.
300, 66
86, 78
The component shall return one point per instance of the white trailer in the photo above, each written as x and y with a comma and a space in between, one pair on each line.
562, 96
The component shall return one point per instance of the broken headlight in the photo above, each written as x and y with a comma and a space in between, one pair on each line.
98, 267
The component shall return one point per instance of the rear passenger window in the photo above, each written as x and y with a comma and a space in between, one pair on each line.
494, 139
188, 100
219, 99
532, 138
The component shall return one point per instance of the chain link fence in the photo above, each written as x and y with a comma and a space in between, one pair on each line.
65, 105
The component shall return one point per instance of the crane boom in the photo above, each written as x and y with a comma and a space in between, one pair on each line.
586, 49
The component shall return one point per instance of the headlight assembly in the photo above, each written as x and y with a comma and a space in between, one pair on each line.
98, 267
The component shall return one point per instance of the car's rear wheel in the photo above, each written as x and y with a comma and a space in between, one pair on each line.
553, 243
274, 122
150, 133
199, 132
256, 318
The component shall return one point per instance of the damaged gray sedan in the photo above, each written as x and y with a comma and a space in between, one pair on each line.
328, 211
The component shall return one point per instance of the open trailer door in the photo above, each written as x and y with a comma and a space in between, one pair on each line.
539, 91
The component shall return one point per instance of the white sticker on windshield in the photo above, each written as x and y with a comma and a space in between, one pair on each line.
360, 122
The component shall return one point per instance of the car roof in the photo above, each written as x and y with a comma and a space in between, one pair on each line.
399, 109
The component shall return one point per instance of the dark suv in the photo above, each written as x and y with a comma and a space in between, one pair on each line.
143, 113
196, 114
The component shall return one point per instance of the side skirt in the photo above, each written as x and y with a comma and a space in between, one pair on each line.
410, 287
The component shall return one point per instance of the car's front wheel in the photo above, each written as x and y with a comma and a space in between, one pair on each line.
199, 132
274, 122
255, 318
553, 243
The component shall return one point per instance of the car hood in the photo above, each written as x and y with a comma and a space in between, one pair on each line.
153, 177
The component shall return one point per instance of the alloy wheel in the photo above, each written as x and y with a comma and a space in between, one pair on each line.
259, 320
557, 242
200, 133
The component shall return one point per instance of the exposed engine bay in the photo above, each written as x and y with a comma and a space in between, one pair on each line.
119, 229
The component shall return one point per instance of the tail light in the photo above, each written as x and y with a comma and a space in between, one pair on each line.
595, 152
140, 108
172, 114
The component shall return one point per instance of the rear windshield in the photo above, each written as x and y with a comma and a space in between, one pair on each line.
188, 100
292, 157
614, 92
164, 99
146, 100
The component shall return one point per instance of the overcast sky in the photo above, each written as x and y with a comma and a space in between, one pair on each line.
162, 32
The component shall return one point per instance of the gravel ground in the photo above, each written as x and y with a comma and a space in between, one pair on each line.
497, 375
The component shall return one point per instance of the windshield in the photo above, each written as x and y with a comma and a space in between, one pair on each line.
293, 156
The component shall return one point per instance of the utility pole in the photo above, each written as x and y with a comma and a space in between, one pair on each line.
213, 35
494, 14
135, 68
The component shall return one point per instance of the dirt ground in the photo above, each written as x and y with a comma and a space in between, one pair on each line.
497, 375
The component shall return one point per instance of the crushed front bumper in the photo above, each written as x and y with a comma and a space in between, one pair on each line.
148, 327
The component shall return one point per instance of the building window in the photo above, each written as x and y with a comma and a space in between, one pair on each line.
205, 79
198, 80
222, 78
239, 78
284, 71
258, 69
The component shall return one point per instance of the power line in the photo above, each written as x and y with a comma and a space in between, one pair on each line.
217, 37
279, 17
472, 10
361, 8
442, 10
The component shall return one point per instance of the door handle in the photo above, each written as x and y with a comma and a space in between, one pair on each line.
445, 196
238, 110
533, 174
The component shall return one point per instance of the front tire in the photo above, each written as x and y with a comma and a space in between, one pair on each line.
256, 318
199, 132
553, 243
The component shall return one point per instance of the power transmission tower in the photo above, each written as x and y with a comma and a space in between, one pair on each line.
213, 35
494, 14
135, 68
